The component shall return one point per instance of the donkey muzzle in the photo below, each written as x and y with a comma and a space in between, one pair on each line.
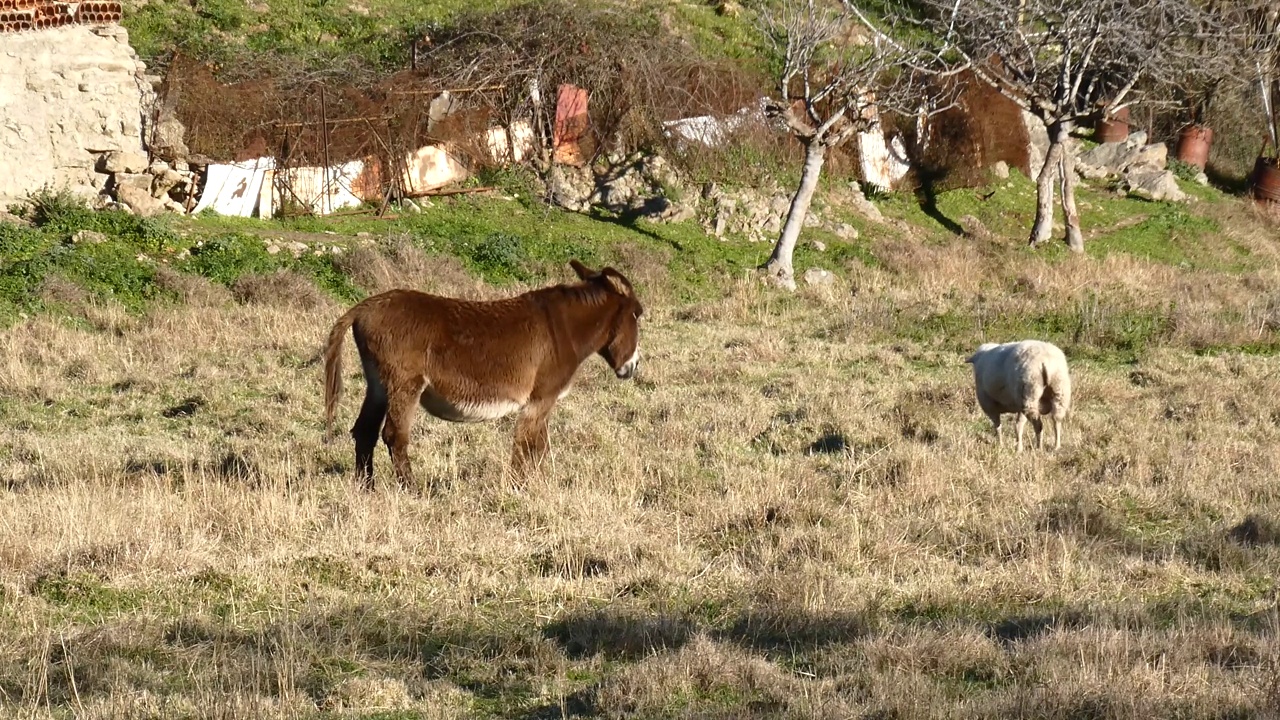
629, 368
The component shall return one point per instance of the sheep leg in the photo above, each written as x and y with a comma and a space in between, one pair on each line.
995, 423
1038, 424
1022, 425
1057, 433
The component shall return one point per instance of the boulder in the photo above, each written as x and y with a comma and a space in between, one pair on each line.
1106, 159
818, 277
168, 141
1112, 159
568, 191
1001, 170
11, 219
862, 205
123, 161
92, 237
139, 200
1155, 155
166, 181
1153, 184
661, 209
845, 231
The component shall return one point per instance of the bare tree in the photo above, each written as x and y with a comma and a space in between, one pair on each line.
835, 79
1259, 32
1066, 60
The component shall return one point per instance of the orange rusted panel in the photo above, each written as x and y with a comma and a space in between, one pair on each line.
367, 185
571, 124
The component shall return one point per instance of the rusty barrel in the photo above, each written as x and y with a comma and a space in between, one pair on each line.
1265, 180
1112, 129
1193, 145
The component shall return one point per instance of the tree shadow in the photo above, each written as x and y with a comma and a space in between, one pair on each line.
771, 631
624, 636
1016, 628
580, 704
927, 195
1227, 182
829, 444
628, 220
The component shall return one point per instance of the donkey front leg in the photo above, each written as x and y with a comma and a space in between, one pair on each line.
533, 437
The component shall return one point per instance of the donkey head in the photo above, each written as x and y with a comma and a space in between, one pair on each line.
622, 348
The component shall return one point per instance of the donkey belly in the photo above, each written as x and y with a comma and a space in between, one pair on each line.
466, 411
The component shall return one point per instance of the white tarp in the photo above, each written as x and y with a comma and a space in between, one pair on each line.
710, 130
234, 189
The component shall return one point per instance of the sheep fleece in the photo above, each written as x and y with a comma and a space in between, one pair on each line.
1012, 377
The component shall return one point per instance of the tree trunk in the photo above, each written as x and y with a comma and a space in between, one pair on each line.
1043, 228
779, 266
1075, 240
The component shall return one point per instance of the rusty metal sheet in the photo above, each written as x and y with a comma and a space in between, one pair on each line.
571, 124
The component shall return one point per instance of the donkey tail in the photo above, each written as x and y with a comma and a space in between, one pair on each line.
333, 368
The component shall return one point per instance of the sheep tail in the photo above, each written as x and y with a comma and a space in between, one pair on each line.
1055, 400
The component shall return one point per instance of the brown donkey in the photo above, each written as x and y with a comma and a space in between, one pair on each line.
471, 361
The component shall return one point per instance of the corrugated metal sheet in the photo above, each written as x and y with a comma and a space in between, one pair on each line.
234, 189
521, 136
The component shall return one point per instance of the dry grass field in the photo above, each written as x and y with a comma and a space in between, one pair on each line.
797, 509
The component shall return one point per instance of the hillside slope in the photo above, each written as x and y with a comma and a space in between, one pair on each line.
796, 510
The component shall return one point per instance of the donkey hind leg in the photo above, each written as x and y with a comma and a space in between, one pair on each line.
402, 409
365, 431
532, 438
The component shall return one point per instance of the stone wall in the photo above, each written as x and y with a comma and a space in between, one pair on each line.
67, 95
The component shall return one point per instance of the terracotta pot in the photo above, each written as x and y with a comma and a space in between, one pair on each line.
1193, 145
1265, 180
1114, 128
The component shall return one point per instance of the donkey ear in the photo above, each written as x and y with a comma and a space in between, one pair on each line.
583, 271
620, 284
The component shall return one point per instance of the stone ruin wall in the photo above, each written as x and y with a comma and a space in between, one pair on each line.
69, 91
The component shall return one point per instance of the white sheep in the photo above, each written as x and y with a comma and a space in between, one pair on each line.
1029, 378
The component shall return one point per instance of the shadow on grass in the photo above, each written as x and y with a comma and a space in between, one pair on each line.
1229, 183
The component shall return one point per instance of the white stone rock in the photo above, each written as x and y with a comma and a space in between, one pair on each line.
121, 161
1154, 184
91, 237
55, 126
818, 277
139, 201
1155, 156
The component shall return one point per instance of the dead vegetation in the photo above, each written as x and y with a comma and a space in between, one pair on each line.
796, 511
